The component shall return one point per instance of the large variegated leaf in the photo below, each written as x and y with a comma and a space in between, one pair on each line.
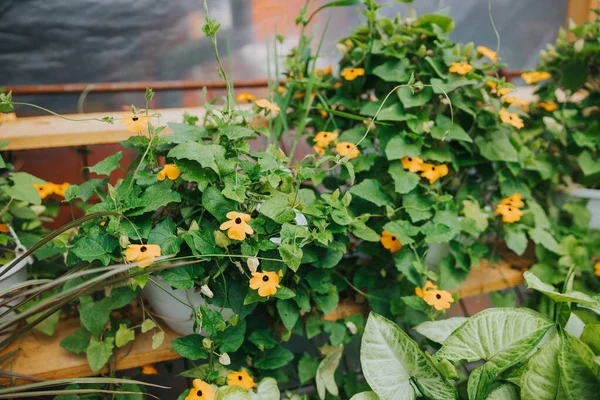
506, 391
365, 396
571, 296
325, 373
541, 377
500, 336
580, 374
232, 393
438, 331
266, 390
391, 360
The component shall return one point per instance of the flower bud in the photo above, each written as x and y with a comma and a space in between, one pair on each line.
124, 241
351, 327
206, 291
239, 266
253, 264
224, 359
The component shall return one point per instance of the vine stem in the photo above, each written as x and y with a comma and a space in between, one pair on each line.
170, 294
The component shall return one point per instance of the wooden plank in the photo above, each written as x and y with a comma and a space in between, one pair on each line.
486, 278
42, 357
580, 11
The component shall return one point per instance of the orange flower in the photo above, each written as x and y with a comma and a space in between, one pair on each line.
4, 228
201, 391
237, 227
390, 241
428, 286
323, 139
347, 149
319, 150
516, 200
44, 189
491, 84
439, 299
433, 172
337, 85
509, 214
241, 378
504, 91
323, 114
413, 164
280, 89
149, 369
486, 52
597, 269
265, 282
535, 76
516, 102
59, 188
245, 97
351, 74
135, 123
264, 103
548, 106
511, 118
169, 171
461, 68
142, 252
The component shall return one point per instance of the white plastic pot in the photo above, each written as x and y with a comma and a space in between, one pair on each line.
593, 205
16, 275
436, 252
177, 316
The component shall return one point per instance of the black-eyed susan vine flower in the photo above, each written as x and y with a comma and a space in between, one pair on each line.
240, 378
428, 286
319, 150
323, 139
324, 71
487, 52
323, 113
44, 190
142, 252
597, 269
438, 299
237, 227
245, 97
169, 171
337, 85
347, 149
535, 76
509, 213
135, 122
390, 242
149, 369
413, 164
433, 172
60, 188
517, 102
515, 200
201, 391
264, 103
280, 89
511, 118
548, 105
265, 282
351, 74
461, 68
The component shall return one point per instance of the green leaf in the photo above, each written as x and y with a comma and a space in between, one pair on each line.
289, 313
417, 99
189, 347
266, 390
371, 191
99, 352
505, 391
89, 250
274, 358
202, 242
391, 361
183, 133
212, 321
263, 339
444, 124
157, 196
237, 132
157, 339
205, 154
591, 337
472, 211
163, 235
22, 187
398, 148
589, 164
545, 238
438, 331
365, 396
147, 325
325, 373
581, 215
403, 230
307, 368
417, 206
216, 204
276, 208
394, 113
444, 22
515, 240
579, 372
124, 335
533, 282
541, 378
291, 255
393, 71
404, 181
232, 393
232, 338
500, 336
77, 342
108, 165
498, 148
362, 231
183, 277
539, 215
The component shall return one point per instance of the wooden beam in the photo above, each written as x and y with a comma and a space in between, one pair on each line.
580, 11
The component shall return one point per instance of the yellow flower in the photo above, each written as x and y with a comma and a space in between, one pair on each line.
439, 299
597, 269
240, 378
535, 76
44, 189
351, 74
319, 150
491, 84
461, 68
242, 97
264, 103
413, 164
548, 105
237, 226
516, 200
280, 89
517, 102
4, 228
337, 85
509, 214
511, 118
265, 282
433, 172
486, 52
59, 188
323, 114
390, 241
8, 117
428, 286
347, 149
149, 369
323, 139
201, 391
169, 171
135, 123
324, 71
142, 252
504, 91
